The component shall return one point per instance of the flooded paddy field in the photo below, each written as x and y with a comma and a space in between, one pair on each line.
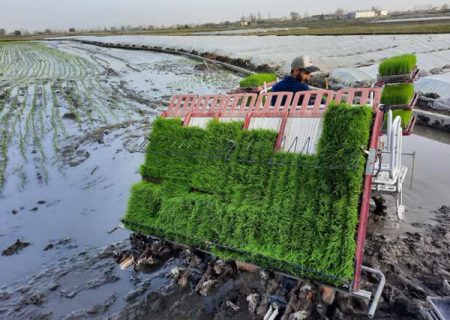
73, 119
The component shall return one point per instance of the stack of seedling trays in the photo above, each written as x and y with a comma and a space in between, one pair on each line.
256, 83
397, 76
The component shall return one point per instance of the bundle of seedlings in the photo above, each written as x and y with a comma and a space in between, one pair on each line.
399, 95
399, 65
257, 80
226, 190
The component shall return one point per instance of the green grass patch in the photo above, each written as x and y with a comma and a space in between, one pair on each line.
398, 65
397, 94
257, 80
224, 187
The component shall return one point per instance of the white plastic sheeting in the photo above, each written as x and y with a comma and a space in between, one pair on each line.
439, 84
340, 54
328, 52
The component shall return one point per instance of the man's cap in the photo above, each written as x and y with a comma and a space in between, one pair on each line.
305, 63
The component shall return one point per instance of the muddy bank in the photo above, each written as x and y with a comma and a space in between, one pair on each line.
244, 66
169, 281
415, 264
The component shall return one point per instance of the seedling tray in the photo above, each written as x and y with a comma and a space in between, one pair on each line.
409, 106
409, 130
402, 78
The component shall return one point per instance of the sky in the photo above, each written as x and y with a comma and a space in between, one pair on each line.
34, 15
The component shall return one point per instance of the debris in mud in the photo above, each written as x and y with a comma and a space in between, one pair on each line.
215, 287
415, 265
69, 278
103, 307
15, 248
63, 242
70, 116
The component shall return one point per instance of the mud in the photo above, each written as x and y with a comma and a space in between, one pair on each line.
69, 273
415, 264
203, 287
15, 248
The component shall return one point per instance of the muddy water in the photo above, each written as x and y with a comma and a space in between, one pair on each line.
427, 185
69, 218
68, 270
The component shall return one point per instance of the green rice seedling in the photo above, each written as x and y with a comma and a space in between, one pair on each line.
295, 212
398, 65
145, 201
4, 156
257, 80
220, 145
397, 94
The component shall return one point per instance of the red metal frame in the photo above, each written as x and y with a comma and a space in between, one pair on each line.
249, 105
351, 95
265, 109
365, 201
238, 105
181, 105
305, 109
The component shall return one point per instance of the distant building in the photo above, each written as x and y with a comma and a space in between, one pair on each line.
367, 14
362, 14
244, 23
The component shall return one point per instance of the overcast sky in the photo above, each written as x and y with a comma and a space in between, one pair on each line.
62, 14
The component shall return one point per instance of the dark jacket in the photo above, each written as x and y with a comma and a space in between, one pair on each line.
289, 84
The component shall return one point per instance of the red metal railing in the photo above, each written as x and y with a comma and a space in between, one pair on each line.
305, 104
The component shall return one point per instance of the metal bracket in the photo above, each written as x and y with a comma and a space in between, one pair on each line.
371, 162
376, 298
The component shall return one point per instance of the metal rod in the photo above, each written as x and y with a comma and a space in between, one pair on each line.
412, 169
376, 297
306, 145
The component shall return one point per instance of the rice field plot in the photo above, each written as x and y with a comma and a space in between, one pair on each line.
47, 95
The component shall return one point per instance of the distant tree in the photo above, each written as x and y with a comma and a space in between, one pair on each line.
48, 31
374, 8
253, 18
322, 17
294, 16
259, 16
444, 7
72, 30
306, 15
2, 32
122, 28
17, 33
339, 13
